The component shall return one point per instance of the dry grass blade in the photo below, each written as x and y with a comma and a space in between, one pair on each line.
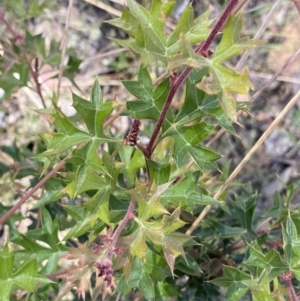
255, 147
259, 33
281, 78
105, 7
64, 46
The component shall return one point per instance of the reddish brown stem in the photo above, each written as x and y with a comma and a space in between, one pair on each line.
60, 273
15, 35
287, 277
202, 50
128, 216
297, 4
174, 87
203, 47
31, 192
35, 75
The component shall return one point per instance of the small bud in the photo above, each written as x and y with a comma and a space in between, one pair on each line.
207, 53
173, 77
132, 136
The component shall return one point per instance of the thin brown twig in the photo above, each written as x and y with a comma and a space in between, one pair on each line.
31, 192
105, 7
15, 35
289, 61
64, 47
35, 76
104, 54
258, 34
280, 78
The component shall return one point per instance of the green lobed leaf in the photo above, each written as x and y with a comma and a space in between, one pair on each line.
53, 193
27, 276
148, 200
160, 232
68, 136
166, 290
5, 289
133, 160
185, 195
291, 244
261, 290
163, 233
271, 262
195, 31
224, 231
138, 278
6, 263
244, 210
159, 172
127, 22
156, 266
150, 100
188, 265
93, 112
238, 283
99, 204
147, 30
186, 142
198, 105
149, 40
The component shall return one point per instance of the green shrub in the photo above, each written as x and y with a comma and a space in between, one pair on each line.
130, 205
